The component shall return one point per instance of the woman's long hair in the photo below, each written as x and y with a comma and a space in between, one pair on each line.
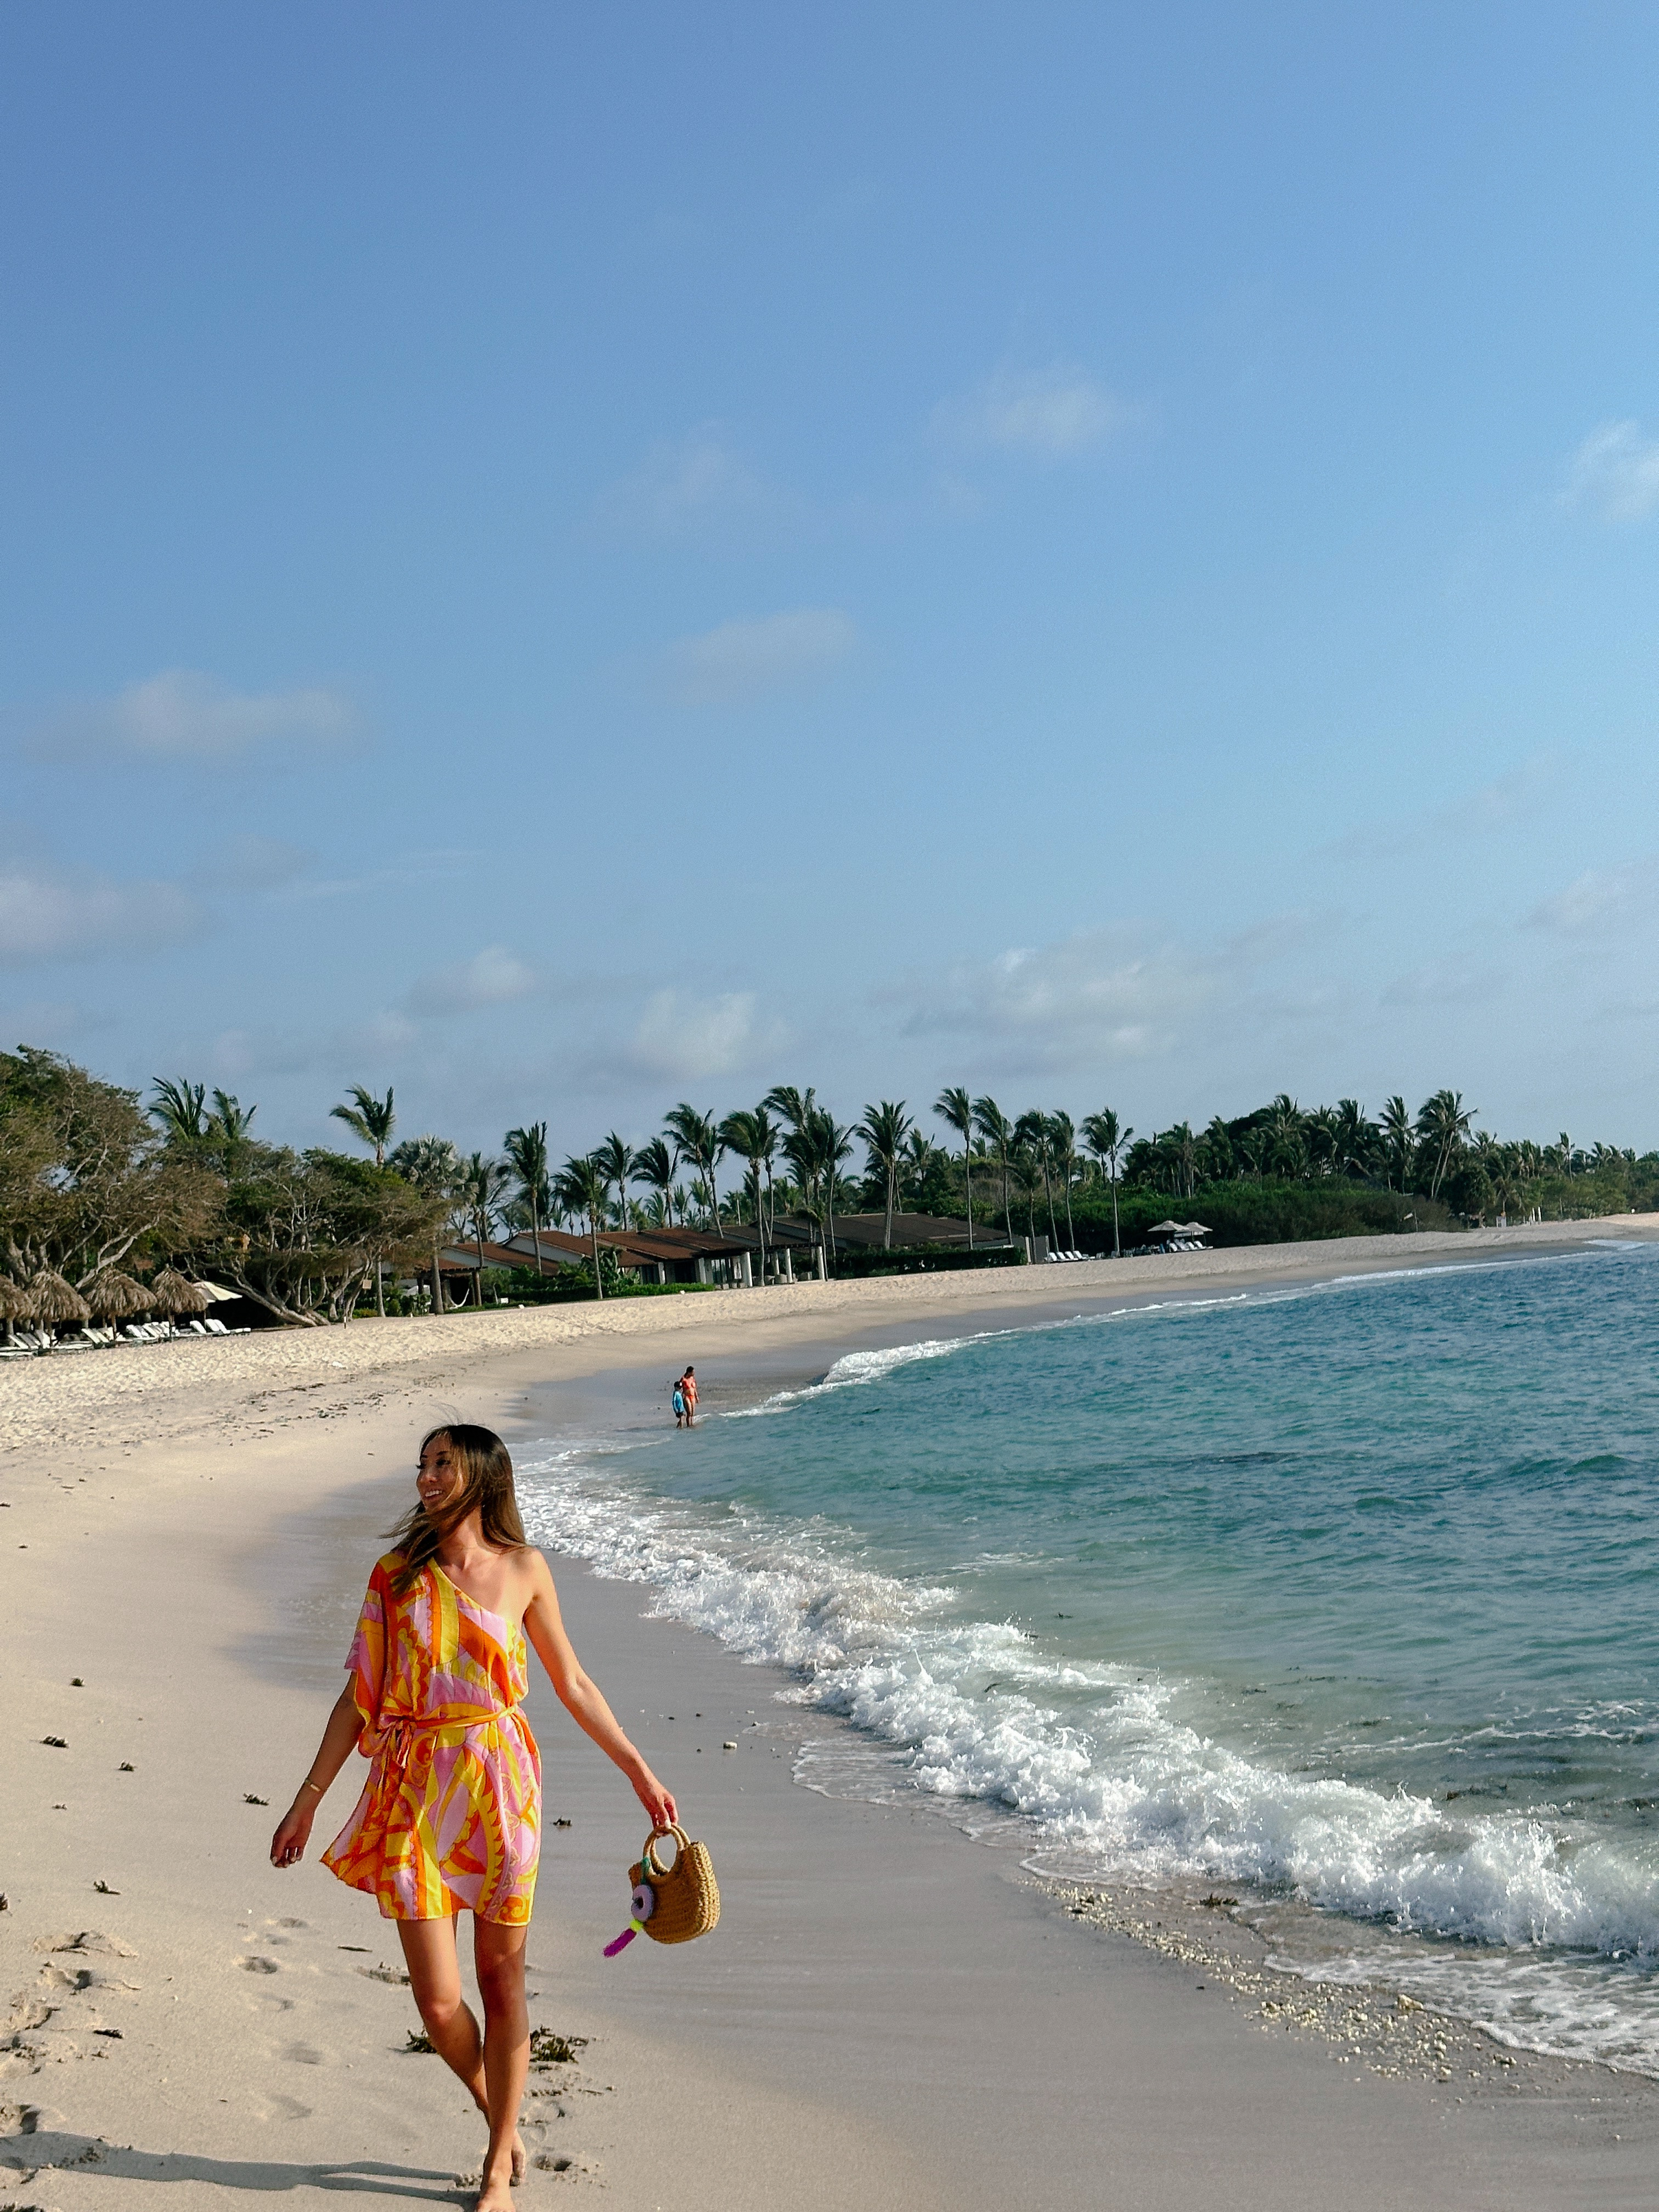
486, 1472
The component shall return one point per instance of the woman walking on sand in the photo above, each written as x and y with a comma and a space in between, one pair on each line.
450, 1819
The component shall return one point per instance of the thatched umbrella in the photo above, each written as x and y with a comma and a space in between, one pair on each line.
171, 1294
115, 1296
53, 1301
15, 1304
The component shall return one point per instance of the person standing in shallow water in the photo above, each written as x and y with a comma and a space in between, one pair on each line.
450, 1818
688, 1392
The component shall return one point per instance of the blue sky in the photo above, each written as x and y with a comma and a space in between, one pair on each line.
565, 559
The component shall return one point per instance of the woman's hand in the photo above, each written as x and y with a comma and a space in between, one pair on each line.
288, 1845
658, 1801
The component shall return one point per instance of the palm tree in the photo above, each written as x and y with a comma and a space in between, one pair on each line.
1398, 1140
796, 1107
1356, 1139
699, 1141
228, 1129
920, 1152
584, 1186
832, 1143
527, 1156
955, 1109
1031, 1137
431, 1164
479, 1187
1105, 1136
653, 1164
1062, 1151
370, 1119
179, 1108
1444, 1121
1284, 1125
616, 1156
995, 1127
884, 1129
1217, 1162
753, 1138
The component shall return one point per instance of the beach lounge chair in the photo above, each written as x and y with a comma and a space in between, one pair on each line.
212, 1328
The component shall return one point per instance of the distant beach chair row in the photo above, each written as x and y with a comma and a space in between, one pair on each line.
27, 1342
1052, 1256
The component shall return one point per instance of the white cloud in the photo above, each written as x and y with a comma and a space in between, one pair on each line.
1056, 413
738, 660
183, 715
1601, 900
686, 486
1107, 991
251, 864
49, 913
681, 1039
1616, 471
1117, 994
490, 978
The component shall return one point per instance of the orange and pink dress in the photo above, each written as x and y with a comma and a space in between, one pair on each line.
451, 1817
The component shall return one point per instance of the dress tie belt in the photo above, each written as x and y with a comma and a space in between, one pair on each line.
400, 1733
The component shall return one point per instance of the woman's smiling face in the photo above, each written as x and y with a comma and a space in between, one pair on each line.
439, 1475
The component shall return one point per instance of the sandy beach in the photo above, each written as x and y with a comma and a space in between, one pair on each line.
890, 2013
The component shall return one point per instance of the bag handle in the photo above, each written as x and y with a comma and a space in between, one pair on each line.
651, 1867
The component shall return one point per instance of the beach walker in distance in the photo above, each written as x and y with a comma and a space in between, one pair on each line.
672, 1904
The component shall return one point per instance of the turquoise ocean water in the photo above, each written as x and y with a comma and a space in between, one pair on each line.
1343, 1597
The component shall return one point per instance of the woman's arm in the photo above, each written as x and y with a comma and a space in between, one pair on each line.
339, 1740
580, 1695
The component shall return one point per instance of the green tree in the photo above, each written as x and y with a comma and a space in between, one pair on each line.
615, 1157
884, 1129
654, 1166
300, 1233
1358, 1140
229, 1130
698, 1141
1062, 1152
752, 1137
87, 1179
526, 1158
480, 1186
1031, 1139
1106, 1137
368, 1118
833, 1144
1399, 1142
955, 1109
584, 1186
998, 1131
433, 1166
181, 1108
1443, 1124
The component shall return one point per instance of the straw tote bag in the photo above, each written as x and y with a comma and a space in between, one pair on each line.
687, 1896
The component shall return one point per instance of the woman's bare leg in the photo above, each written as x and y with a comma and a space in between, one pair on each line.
498, 1954
434, 1979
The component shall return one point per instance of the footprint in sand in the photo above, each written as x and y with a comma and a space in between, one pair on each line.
304, 2054
257, 1965
273, 2106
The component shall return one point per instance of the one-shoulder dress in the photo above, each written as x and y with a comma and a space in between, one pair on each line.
451, 1814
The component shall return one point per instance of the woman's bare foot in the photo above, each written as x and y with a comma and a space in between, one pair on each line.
497, 2196
520, 2158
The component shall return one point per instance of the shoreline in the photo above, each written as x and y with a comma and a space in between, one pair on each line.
125, 1396
891, 2011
